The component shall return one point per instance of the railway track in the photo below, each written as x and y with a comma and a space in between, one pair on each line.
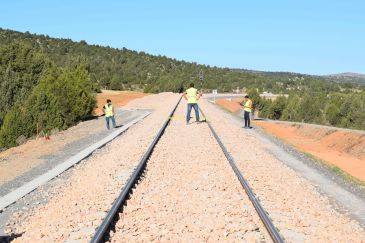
103, 231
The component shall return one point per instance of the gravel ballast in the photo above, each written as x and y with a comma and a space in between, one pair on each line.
78, 206
300, 212
189, 193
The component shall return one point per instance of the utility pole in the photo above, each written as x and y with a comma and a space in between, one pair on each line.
201, 78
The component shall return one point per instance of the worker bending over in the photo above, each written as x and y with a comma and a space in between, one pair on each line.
247, 109
192, 96
109, 113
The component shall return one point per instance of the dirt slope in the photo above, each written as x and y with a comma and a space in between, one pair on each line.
118, 98
230, 105
342, 148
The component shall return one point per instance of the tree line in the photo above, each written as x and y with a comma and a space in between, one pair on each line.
124, 69
346, 110
48, 83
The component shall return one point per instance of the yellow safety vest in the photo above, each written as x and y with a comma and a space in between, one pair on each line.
248, 106
108, 110
192, 95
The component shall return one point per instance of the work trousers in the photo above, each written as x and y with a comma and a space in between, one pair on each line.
247, 119
107, 118
196, 109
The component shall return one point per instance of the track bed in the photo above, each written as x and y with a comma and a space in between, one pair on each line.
188, 193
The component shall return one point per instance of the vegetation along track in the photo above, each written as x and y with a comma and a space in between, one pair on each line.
211, 189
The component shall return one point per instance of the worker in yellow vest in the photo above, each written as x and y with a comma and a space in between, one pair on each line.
109, 113
192, 96
247, 109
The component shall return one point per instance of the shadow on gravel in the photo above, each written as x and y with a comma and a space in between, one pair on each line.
91, 118
9, 238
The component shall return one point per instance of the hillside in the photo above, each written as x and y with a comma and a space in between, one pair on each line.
355, 78
49, 83
124, 69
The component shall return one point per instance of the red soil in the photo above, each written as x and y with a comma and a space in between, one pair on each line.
342, 148
118, 98
232, 106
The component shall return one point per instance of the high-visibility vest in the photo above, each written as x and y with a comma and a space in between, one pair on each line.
248, 106
108, 110
192, 95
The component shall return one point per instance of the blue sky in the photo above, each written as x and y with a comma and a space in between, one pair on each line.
314, 37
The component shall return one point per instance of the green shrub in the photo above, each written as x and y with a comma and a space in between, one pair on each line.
277, 107
332, 114
62, 98
14, 125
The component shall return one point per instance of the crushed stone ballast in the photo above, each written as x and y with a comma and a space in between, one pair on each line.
22, 191
103, 231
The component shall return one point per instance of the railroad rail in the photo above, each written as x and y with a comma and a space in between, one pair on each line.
108, 220
273, 231
102, 232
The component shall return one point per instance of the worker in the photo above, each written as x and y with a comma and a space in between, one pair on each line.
247, 109
109, 113
192, 96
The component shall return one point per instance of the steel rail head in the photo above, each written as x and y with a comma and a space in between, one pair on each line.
103, 228
273, 231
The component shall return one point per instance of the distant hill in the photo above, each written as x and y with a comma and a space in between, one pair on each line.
124, 69
355, 78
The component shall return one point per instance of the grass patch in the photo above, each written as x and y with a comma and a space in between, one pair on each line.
330, 132
337, 170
